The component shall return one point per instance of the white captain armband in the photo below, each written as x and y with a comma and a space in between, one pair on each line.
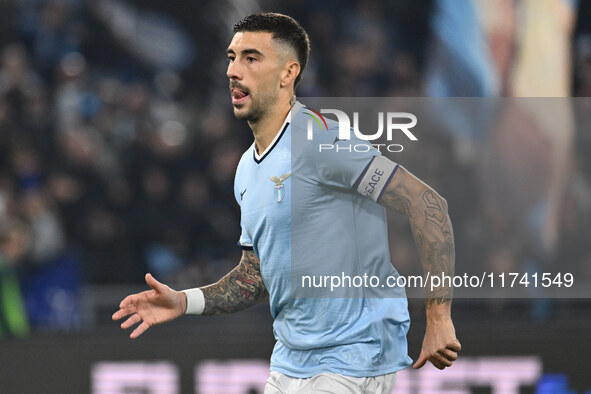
373, 181
195, 301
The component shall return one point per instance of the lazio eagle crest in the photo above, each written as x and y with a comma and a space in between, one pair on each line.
279, 189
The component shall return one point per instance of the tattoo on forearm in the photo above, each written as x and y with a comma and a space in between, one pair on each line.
241, 288
437, 252
431, 300
434, 238
432, 231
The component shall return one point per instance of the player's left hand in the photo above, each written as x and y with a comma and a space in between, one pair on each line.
440, 345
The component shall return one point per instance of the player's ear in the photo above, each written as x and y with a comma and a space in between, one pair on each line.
290, 73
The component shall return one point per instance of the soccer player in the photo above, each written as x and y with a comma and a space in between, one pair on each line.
327, 345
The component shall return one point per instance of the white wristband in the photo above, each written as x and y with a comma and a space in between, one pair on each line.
195, 301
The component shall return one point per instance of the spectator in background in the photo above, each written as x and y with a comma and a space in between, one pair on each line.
51, 281
51, 29
21, 95
14, 242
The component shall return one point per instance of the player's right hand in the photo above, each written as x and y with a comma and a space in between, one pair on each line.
151, 307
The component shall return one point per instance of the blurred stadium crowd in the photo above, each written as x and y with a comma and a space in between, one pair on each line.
118, 147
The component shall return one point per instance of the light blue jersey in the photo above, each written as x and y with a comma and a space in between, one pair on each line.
355, 336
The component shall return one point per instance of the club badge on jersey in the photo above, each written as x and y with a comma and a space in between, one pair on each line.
279, 189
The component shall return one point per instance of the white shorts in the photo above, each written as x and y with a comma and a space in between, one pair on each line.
330, 383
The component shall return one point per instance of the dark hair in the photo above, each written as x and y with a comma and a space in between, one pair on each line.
284, 29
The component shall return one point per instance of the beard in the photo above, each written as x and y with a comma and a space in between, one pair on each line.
254, 114
259, 105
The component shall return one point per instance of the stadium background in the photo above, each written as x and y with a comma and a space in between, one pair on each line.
117, 156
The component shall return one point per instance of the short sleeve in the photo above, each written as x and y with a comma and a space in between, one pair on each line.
340, 163
354, 164
245, 242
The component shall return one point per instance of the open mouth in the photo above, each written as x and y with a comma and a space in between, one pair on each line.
238, 96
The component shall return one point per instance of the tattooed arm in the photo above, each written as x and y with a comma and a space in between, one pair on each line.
432, 231
241, 288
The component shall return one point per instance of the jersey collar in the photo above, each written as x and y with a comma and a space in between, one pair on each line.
294, 110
